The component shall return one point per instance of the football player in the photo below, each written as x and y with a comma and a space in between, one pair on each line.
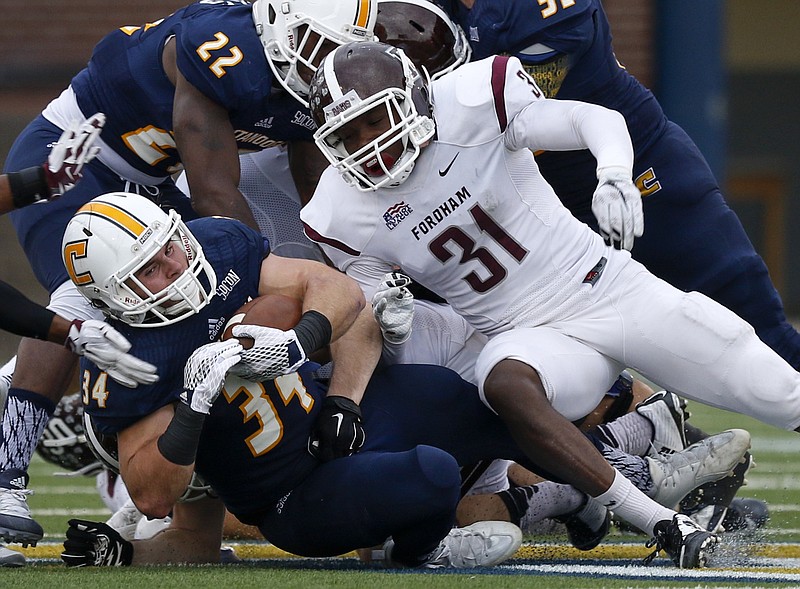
188, 90
173, 296
693, 240
439, 180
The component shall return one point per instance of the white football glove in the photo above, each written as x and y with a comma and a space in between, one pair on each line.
393, 307
274, 353
205, 372
106, 347
74, 149
617, 206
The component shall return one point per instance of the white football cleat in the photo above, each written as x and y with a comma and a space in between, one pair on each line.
479, 544
674, 475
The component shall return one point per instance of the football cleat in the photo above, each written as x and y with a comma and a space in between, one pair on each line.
667, 412
479, 544
674, 475
16, 523
708, 504
11, 558
686, 543
588, 525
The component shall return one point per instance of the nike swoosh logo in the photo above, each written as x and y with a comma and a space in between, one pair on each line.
339, 418
443, 173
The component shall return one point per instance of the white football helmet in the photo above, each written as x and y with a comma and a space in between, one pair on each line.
111, 237
354, 79
287, 27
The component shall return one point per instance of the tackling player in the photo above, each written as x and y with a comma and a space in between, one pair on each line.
439, 180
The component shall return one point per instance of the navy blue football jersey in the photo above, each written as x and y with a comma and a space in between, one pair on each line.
235, 252
218, 52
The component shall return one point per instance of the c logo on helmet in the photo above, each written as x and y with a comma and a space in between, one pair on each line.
76, 250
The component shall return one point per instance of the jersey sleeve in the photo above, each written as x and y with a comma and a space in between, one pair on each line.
21, 316
222, 59
563, 125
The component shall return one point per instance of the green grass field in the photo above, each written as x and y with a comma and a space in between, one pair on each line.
771, 561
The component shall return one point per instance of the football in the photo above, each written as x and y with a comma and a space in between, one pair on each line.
274, 310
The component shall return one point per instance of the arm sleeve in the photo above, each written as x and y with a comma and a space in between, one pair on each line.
563, 125
21, 316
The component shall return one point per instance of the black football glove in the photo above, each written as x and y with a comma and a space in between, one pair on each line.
95, 544
338, 430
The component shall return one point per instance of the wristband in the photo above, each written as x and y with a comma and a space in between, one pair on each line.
178, 443
28, 186
313, 331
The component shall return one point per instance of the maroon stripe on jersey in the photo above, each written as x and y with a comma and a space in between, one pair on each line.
498, 85
314, 236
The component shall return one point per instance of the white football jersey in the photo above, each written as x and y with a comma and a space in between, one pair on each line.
476, 222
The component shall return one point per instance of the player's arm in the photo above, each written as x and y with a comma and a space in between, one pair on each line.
157, 453
538, 123
153, 482
21, 316
193, 537
205, 139
322, 289
63, 168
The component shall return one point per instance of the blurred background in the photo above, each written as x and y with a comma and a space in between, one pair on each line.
727, 71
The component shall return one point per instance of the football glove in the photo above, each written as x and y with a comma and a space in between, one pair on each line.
73, 150
95, 544
106, 347
337, 431
273, 354
617, 206
205, 373
393, 307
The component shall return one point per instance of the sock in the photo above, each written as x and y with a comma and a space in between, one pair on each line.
24, 420
533, 503
632, 505
631, 433
634, 468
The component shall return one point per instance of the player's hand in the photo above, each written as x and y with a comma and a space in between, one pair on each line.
73, 150
95, 544
617, 206
106, 347
337, 431
205, 372
393, 307
274, 353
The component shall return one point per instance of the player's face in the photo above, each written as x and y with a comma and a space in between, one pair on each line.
162, 270
365, 129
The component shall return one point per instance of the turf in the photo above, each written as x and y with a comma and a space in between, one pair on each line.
771, 559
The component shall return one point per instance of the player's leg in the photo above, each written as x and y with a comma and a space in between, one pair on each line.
695, 241
701, 350
366, 498
534, 413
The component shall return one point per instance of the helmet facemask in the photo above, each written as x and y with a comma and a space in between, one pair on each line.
298, 33
182, 298
408, 126
113, 237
